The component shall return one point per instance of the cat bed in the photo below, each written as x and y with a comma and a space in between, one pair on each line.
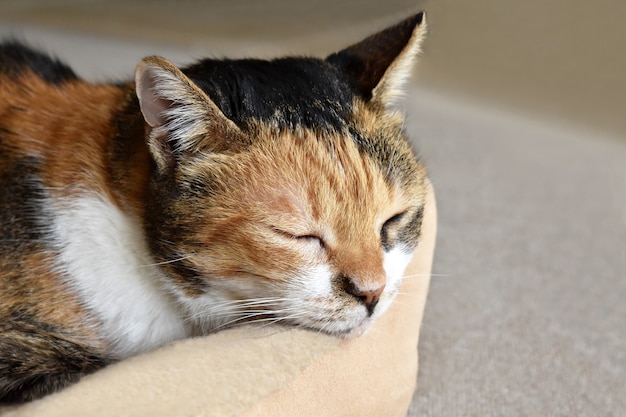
268, 371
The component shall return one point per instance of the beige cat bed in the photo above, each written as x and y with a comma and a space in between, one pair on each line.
270, 371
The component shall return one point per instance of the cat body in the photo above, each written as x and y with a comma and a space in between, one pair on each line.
136, 214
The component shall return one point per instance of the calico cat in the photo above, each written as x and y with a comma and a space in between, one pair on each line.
194, 199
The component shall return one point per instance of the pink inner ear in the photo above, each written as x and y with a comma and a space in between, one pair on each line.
152, 106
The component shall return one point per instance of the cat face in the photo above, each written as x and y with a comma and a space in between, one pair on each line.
305, 214
302, 229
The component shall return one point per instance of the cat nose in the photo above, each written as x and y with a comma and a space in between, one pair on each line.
369, 298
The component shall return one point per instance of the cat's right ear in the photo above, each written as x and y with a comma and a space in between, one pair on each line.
180, 118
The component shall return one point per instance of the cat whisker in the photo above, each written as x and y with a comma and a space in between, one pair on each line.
239, 319
273, 320
182, 258
251, 302
399, 293
271, 316
253, 305
256, 301
425, 275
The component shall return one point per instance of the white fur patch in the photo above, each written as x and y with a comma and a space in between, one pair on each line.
187, 119
104, 256
395, 262
316, 281
210, 312
318, 305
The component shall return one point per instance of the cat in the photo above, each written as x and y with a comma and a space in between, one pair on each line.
191, 200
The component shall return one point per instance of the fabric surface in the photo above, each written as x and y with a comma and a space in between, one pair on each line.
526, 313
270, 371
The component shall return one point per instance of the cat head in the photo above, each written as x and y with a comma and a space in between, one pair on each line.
284, 190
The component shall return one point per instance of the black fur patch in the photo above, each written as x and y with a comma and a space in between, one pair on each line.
367, 61
163, 220
287, 92
384, 235
37, 359
397, 166
16, 57
20, 214
411, 233
124, 148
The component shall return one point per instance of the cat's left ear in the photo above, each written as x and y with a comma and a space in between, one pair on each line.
380, 65
180, 118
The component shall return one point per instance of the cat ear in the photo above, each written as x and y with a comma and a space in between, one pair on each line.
180, 118
380, 65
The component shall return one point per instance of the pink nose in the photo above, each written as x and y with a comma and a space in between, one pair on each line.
369, 298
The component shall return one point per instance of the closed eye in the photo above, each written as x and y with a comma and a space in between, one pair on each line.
393, 219
310, 238
385, 231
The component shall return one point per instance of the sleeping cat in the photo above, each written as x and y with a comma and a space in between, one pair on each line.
194, 199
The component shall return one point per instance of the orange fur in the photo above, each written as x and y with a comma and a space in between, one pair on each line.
51, 124
47, 285
301, 185
138, 214
69, 127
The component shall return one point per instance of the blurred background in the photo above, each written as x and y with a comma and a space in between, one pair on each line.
559, 59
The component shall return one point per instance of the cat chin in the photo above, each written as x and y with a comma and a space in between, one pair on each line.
358, 331
365, 325
347, 331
